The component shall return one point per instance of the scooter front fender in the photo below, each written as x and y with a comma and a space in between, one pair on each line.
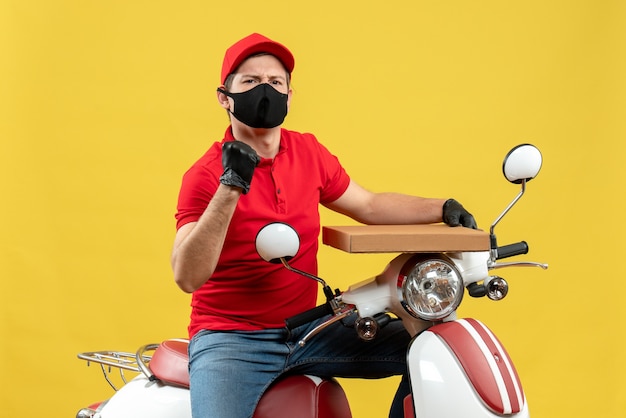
459, 368
141, 398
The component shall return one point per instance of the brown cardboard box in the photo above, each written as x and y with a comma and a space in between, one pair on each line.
404, 238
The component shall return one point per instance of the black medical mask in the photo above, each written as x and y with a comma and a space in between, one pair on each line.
260, 107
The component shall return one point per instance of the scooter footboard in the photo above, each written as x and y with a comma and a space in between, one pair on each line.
459, 368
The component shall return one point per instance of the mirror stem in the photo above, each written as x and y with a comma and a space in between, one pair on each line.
328, 292
303, 273
493, 225
492, 236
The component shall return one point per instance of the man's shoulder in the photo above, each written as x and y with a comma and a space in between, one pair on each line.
299, 140
294, 135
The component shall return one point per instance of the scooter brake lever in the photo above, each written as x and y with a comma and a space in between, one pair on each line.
518, 264
337, 317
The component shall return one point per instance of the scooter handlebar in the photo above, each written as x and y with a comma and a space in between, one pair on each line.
308, 316
512, 249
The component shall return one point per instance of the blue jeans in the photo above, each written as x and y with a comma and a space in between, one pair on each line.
230, 370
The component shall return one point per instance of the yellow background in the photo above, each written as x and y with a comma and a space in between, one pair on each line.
104, 104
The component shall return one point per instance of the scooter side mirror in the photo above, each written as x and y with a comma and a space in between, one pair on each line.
522, 163
277, 241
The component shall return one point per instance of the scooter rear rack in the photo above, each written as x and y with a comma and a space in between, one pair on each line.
108, 360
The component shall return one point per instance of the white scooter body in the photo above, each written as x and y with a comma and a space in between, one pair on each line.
142, 398
458, 369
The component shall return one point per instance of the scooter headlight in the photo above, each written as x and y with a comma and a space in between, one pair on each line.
430, 288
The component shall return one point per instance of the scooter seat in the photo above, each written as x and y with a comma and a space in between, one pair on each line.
304, 396
170, 362
299, 396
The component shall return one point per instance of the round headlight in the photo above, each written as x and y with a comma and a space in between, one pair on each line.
430, 288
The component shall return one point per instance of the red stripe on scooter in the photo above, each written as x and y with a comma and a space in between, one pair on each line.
492, 381
473, 362
504, 363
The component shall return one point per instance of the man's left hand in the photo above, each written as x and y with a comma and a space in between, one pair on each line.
454, 214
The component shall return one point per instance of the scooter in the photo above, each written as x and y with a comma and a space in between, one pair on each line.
457, 367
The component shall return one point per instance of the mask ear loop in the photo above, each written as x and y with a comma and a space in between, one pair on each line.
221, 90
227, 94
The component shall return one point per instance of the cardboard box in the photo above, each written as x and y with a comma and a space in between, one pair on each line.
404, 238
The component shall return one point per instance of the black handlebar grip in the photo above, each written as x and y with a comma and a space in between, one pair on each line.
308, 316
512, 249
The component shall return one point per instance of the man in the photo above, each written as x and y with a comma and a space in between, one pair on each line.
261, 173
